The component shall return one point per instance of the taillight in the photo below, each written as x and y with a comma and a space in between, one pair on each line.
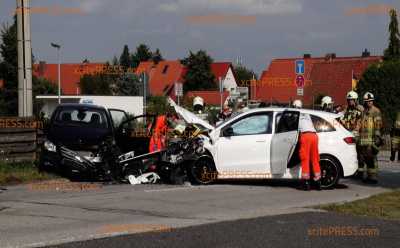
349, 140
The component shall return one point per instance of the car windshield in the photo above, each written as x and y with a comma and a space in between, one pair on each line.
82, 117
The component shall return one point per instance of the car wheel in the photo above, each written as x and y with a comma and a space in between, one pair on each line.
330, 172
203, 171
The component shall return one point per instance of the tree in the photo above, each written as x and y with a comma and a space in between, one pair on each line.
157, 105
125, 58
128, 84
243, 75
97, 84
393, 50
9, 69
142, 53
383, 81
198, 75
157, 57
115, 61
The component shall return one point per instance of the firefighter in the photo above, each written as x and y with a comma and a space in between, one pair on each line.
327, 104
158, 139
351, 118
395, 139
308, 152
297, 104
370, 139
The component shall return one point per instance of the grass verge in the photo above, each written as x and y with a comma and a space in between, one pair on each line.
384, 206
22, 172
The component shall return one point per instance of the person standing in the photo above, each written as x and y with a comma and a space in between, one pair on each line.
308, 152
370, 139
395, 139
351, 120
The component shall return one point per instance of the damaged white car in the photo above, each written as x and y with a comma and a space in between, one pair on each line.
263, 144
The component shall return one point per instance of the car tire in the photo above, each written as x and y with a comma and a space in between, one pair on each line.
202, 171
330, 171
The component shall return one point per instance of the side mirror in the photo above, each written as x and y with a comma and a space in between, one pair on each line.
228, 132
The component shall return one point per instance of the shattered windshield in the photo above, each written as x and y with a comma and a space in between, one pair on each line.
86, 117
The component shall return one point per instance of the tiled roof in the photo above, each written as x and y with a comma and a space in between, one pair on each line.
322, 76
220, 69
70, 74
209, 97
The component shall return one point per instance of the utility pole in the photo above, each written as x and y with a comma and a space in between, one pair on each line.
59, 71
25, 103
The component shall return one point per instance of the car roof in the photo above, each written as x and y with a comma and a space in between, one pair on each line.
84, 105
302, 110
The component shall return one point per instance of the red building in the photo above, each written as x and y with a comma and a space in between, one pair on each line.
329, 75
70, 74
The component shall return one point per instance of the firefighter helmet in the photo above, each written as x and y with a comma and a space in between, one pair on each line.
368, 97
326, 101
297, 104
352, 95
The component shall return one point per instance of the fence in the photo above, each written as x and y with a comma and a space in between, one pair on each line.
19, 144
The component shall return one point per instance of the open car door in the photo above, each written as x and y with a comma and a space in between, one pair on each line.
284, 141
134, 134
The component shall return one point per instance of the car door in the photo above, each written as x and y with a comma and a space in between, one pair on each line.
243, 145
284, 141
134, 134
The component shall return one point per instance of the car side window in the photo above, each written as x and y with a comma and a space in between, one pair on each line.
254, 124
287, 122
321, 125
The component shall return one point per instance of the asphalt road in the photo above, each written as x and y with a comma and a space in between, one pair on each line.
290, 230
40, 215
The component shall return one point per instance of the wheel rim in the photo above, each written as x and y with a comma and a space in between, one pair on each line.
329, 173
202, 172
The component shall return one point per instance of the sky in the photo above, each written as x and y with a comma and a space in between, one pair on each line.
256, 30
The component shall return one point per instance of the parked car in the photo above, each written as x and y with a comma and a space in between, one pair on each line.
263, 143
86, 139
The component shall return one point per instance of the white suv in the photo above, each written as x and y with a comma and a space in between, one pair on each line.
263, 143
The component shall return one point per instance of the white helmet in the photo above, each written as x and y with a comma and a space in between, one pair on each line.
368, 97
352, 95
297, 104
326, 101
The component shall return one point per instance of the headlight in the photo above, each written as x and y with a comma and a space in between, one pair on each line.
49, 146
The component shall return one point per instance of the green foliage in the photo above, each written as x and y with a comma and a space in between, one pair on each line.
383, 80
41, 86
157, 57
97, 84
393, 50
125, 58
242, 74
9, 69
142, 53
157, 105
198, 75
128, 84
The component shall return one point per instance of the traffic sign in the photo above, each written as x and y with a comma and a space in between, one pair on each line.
300, 81
300, 66
300, 91
178, 89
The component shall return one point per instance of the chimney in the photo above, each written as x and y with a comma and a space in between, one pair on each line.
330, 56
307, 56
366, 53
42, 67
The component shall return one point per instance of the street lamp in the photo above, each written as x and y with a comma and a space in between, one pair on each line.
59, 78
